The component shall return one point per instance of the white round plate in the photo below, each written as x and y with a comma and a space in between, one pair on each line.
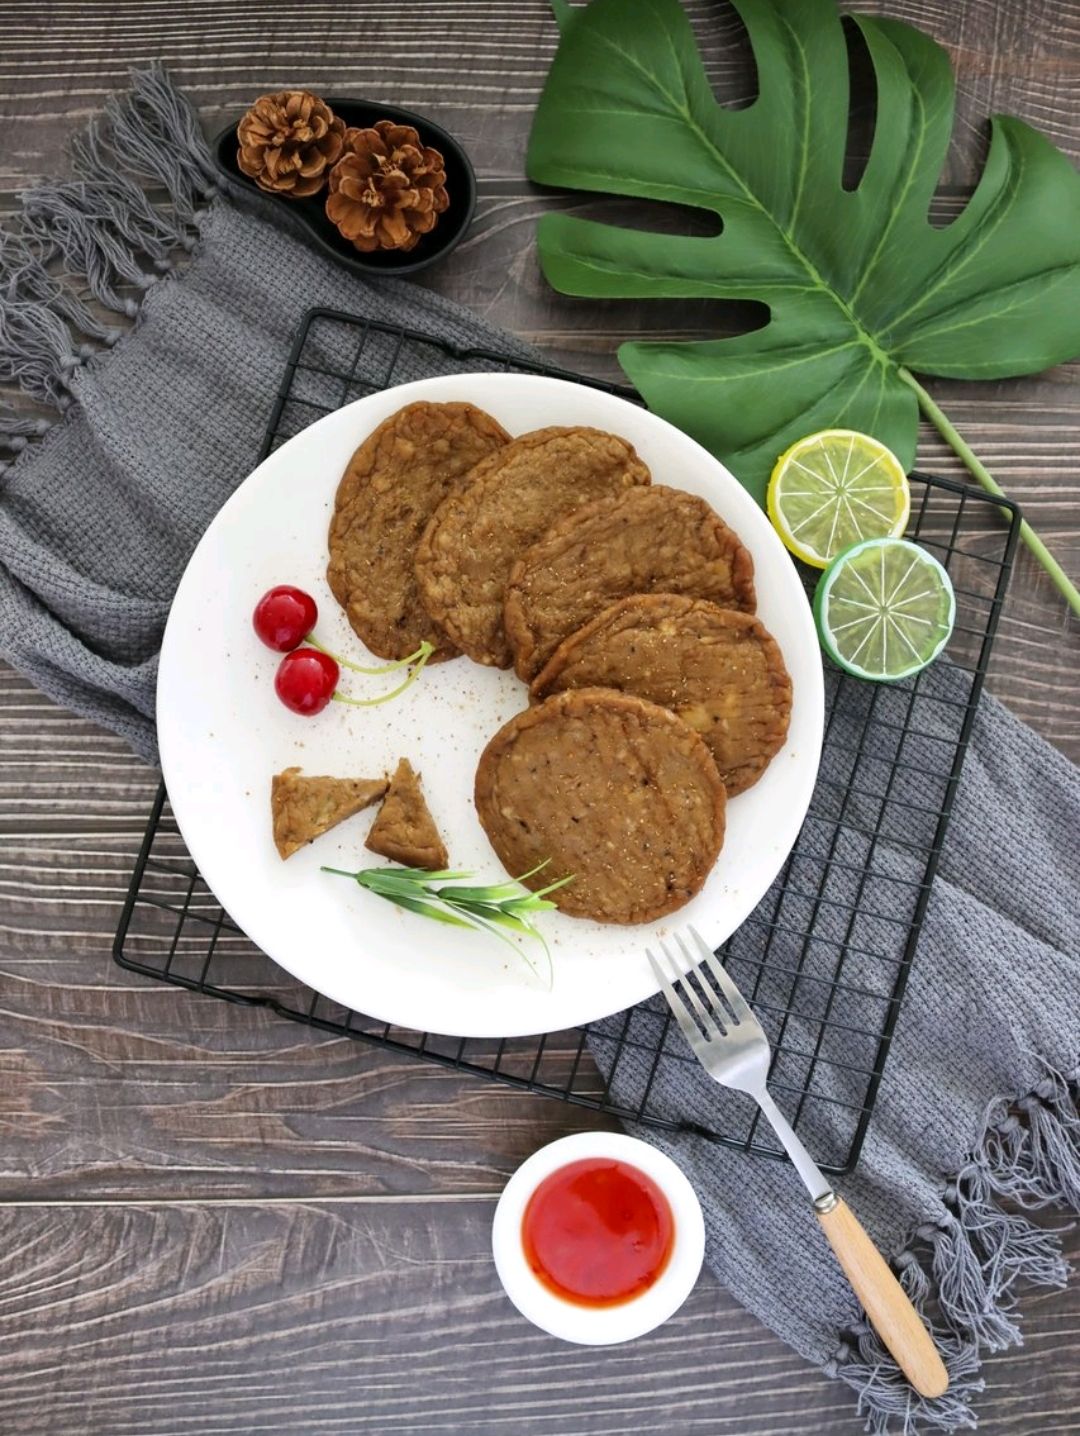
223, 734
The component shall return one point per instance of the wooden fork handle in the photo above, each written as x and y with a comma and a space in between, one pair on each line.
886, 1303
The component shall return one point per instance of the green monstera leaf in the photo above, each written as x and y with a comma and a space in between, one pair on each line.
861, 288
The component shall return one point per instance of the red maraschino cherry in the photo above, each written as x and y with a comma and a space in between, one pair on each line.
306, 680
284, 617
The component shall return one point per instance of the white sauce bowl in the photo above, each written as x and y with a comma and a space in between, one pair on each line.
592, 1325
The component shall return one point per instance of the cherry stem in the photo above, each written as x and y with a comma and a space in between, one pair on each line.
425, 651
420, 657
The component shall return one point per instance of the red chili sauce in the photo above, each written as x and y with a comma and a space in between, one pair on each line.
598, 1232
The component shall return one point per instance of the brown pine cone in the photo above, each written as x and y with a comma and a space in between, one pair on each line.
387, 189
288, 142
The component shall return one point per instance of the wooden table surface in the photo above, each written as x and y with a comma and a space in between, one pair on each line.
213, 1220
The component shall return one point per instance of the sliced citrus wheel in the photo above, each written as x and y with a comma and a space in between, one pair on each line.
884, 609
833, 489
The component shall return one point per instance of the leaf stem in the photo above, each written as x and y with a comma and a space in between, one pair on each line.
945, 427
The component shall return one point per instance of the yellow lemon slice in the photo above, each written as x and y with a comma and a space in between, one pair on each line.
836, 488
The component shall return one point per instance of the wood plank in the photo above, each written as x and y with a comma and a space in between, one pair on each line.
366, 1316
114, 1086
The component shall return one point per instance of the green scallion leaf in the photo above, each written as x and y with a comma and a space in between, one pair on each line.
496, 908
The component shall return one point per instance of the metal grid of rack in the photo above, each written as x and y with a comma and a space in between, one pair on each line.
824, 957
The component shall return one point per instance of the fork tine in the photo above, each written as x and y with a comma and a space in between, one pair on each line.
720, 1018
674, 1001
710, 1020
734, 998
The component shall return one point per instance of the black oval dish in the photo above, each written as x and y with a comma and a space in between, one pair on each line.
359, 114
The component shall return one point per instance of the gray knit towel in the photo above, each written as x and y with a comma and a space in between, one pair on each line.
976, 1120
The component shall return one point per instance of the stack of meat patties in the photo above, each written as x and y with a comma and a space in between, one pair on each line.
626, 606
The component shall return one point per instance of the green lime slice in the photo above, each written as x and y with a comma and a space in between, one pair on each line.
884, 609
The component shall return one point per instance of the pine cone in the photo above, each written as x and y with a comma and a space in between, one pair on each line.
288, 142
387, 189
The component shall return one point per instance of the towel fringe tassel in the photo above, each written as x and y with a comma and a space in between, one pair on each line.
101, 221
101, 230
156, 134
961, 1272
16, 431
38, 317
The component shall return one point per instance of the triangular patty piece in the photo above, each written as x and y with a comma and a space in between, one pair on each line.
404, 829
304, 808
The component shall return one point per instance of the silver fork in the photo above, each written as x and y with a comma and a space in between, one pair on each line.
730, 1043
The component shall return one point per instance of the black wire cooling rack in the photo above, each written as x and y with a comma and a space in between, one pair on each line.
823, 964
